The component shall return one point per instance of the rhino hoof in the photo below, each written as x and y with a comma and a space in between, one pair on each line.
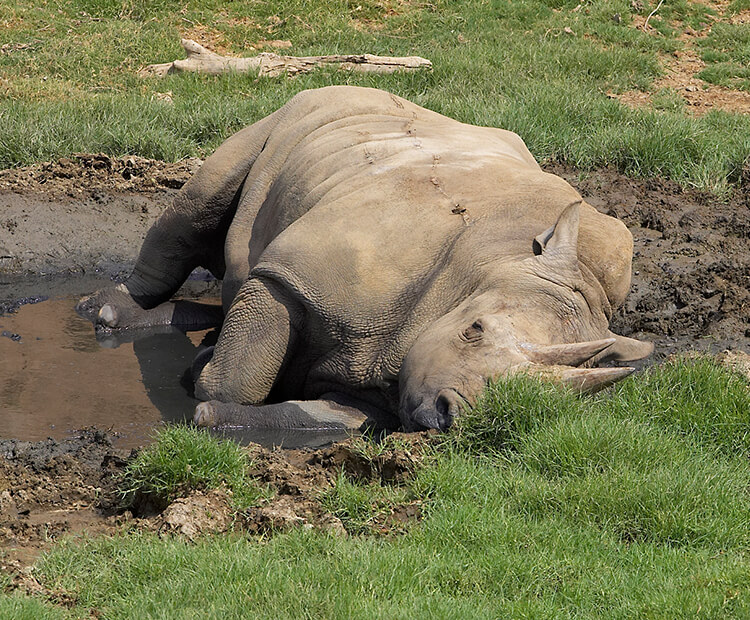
107, 316
205, 415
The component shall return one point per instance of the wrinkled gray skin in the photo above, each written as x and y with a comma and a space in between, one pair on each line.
378, 260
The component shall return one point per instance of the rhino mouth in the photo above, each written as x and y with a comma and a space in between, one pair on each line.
438, 412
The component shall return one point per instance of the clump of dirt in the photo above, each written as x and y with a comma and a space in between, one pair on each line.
691, 264
88, 175
53, 488
390, 461
299, 477
201, 512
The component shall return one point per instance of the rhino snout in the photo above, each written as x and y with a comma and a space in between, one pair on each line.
435, 413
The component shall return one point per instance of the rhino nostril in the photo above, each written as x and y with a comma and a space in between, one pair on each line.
443, 405
447, 405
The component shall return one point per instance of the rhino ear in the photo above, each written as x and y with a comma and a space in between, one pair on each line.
626, 349
540, 241
559, 244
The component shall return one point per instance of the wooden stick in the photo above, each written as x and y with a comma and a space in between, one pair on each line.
201, 60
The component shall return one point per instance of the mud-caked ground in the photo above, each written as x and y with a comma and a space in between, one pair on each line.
691, 290
73, 488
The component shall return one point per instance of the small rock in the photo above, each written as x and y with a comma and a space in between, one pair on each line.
736, 360
199, 513
164, 97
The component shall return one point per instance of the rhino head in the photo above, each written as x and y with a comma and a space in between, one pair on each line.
537, 314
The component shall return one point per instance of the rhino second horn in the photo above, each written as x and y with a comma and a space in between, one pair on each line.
571, 354
590, 380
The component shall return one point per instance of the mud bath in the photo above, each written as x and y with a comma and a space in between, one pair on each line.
57, 376
87, 215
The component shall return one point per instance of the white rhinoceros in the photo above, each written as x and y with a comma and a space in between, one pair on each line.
378, 258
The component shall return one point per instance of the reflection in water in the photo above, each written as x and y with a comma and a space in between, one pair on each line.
58, 378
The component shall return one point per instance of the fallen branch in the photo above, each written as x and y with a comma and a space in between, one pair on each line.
201, 60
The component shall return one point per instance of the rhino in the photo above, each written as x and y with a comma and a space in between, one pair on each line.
380, 262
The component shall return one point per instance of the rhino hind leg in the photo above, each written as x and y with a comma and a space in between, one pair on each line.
190, 233
114, 308
257, 339
330, 411
290, 415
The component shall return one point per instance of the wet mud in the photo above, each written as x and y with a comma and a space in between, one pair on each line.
55, 376
691, 291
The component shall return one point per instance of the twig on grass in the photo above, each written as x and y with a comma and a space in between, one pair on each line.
645, 24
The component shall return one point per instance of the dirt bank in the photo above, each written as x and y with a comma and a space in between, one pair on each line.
50, 489
691, 267
82, 212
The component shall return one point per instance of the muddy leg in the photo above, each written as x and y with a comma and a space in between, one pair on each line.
256, 341
123, 313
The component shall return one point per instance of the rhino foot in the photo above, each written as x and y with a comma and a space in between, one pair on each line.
206, 415
90, 307
114, 308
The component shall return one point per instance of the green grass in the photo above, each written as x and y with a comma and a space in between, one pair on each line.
68, 78
183, 458
726, 49
629, 504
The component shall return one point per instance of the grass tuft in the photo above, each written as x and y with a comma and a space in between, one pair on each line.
695, 397
507, 410
184, 458
362, 508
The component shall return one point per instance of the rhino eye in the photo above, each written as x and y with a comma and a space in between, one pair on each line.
473, 332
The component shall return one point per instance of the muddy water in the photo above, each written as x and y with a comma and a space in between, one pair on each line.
55, 377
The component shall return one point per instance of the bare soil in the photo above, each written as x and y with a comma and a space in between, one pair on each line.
691, 290
682, 67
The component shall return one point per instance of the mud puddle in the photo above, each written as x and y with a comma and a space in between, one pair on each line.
56, 376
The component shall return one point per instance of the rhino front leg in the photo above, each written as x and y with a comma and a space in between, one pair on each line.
290, 415
256, 341
190, 233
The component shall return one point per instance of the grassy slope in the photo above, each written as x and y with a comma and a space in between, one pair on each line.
68, 83
542, 505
